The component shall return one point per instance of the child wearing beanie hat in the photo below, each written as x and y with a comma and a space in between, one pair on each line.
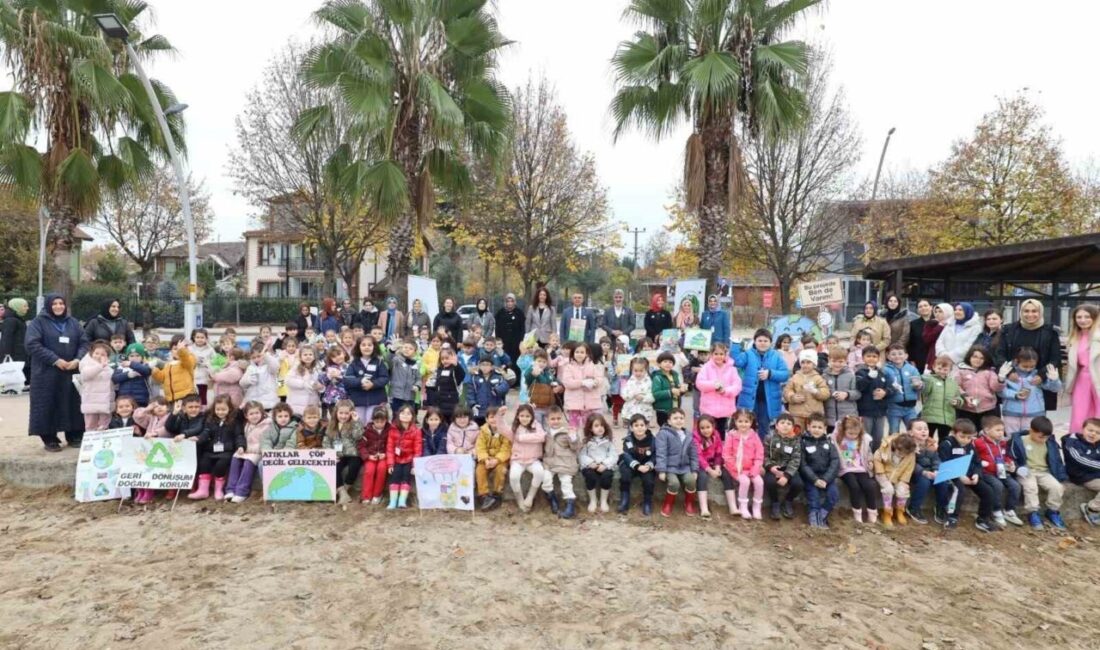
131, 378
807, 390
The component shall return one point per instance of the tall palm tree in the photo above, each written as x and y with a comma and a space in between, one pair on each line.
74, 93
418, 77
711, 64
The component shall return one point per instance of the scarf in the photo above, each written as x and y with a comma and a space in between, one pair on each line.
1032, 301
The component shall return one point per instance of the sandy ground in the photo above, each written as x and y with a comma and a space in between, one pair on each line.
311, 576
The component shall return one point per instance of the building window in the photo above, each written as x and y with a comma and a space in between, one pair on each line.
169, 267
271, 290
272, 254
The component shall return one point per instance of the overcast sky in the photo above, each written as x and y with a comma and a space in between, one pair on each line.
929, 68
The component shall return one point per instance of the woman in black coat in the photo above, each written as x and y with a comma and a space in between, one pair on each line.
107, 323
56, 343
657, 319
449, 319
306, 319
13, 335
1032, 332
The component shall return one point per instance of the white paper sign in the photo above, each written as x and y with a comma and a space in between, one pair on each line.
821, 292
445, 482
157, 464
97, 468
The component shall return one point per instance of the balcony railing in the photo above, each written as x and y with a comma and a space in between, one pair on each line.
294, 264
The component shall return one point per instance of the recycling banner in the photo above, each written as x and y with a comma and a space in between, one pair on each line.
97, 468
157, 464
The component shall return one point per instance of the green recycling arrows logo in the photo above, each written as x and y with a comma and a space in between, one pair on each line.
159, 457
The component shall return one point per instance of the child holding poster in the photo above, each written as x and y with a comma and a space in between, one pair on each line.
404, 443
247, 457
343, 436
637, 391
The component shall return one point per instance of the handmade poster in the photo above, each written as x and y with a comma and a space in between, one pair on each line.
694, 290
445, 482
577, 326
299, 475
424, 289
670, 338
97, 467
157, 464
696, 338
953, 469
622, 364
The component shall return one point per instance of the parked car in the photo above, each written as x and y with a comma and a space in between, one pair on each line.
465, 311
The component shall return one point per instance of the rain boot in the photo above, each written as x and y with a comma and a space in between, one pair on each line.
219, 488
604, 507
592, 504
744, 512
647, 504
403, 496
888, 518
704, 506
689, 503
756, 505
872, 515
393, 498
202, 491
570, 509
666, 507
731, 502
624, 501
899, 513
140, 497
170, 495
813, 518
342, 495
857, 514
552, 497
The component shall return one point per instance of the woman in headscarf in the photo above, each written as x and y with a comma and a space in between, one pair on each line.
56, 343
717, 321
685, 318
13, 335
418, 319
915, 346
1083, 366
959, 332
934, 329
392, 321
1031, 331
897, 317
657, 319
870, 320
483, 317
109, 322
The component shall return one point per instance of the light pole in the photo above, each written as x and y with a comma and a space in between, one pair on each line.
878, 172
44, 222
192, 309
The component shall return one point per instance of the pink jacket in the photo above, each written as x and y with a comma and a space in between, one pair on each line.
751, 450
301, 391
254, 438
153, 425
577, 397
855, 356
526, 443
711, 402
227, 381
982, 385
457, 437
710, 456
96, 390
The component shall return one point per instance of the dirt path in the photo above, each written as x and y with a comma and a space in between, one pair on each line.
312, 576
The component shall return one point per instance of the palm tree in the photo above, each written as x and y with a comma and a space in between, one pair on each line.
74, 92
418, 78
711, 63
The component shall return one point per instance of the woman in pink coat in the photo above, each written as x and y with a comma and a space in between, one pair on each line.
718, 384
585, 387
743, 456
1083, 366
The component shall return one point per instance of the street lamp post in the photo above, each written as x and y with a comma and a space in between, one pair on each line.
192, 309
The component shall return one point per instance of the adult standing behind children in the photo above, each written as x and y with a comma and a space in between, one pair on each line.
619, 319
417, 321
577, 311
871, 321
305, 320
717, 321
108, 322
449, 319
960, 331
897, 317
56, 343
392, 321
1083, 366
657, 319
13, 335
933, 329
915, 346
1032, 332
483, 317
541, 316
510, 327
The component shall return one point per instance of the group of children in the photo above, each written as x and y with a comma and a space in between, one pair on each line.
360, 396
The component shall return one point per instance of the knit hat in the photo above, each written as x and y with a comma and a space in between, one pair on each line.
807, 355
18, 305
136, 348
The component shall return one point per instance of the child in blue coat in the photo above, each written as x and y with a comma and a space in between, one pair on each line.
488, 388
131, 378
764, 366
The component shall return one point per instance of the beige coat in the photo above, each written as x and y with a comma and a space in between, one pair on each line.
880, 330
813, 387
1094, 361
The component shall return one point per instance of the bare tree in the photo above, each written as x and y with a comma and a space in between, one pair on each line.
547, 210
272, 166
146, 218
784, 225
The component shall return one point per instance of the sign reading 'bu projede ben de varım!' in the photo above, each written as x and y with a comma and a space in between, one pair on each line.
821, 292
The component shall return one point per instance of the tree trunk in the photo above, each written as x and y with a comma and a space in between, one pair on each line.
785, 295
65, 249
713, 214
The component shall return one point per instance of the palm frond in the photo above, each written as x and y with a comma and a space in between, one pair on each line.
77, 181
16, 116
311, 122
779, 107
22, 167
350, 16
449, 171
658, 14
695, 172
791, 56
654, 111
398, 12
99, 85
113, 172
135, 158
444, 112
779, 17
384, 184
714, 77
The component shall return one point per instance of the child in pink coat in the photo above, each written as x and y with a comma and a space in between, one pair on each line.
718, 383
979, 384
96, 390
227, 381
585, 387
743, 455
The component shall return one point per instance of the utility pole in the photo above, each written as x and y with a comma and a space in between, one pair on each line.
634, 263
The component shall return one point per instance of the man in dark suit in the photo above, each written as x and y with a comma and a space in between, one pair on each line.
619, 319
578, 311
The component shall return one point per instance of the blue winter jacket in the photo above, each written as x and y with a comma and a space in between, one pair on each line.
486, 392
1054, 455
1082, 459
1034, 403
435, 442
372, 369
718, 322
901, 379
750, 363
135, 387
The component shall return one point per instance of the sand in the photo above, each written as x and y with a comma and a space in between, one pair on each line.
314, 576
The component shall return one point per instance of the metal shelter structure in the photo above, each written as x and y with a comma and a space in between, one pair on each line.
1058, 272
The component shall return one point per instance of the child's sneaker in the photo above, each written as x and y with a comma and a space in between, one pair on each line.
1012, 518
999, 520
983, 525
240, 499
1035, 521
376, 501
939, 515
228, 496
1055, 519
916, 516
951, 523
1092, 518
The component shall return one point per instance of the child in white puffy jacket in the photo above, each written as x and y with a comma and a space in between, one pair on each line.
637, 391
261, 377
